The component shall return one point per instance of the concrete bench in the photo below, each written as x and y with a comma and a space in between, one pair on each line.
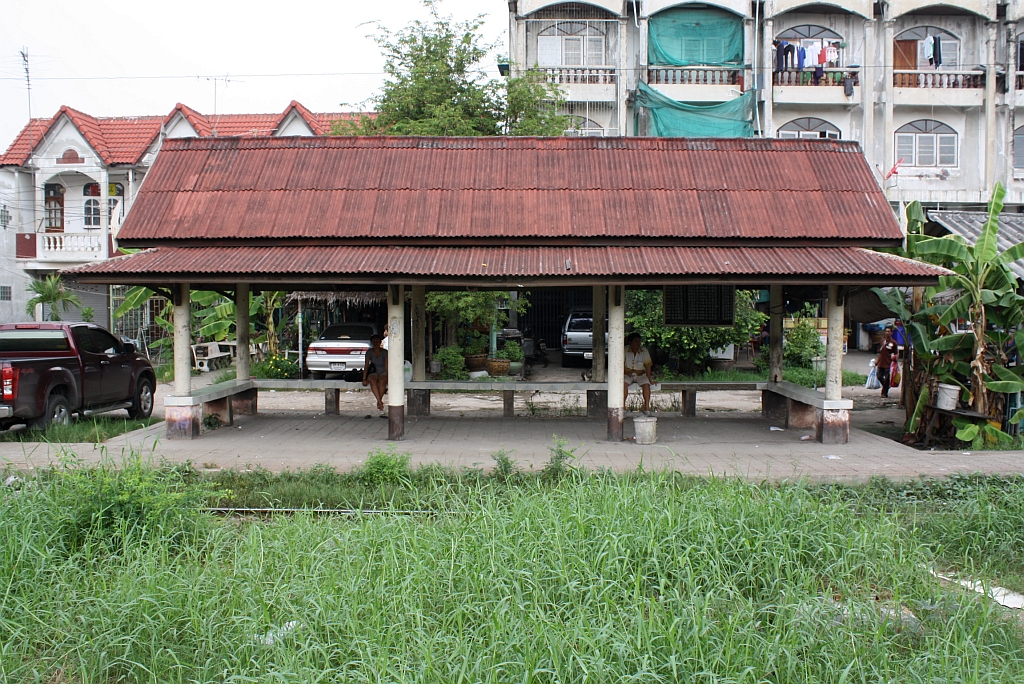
805, 408
689, 390
184, 415
419, 393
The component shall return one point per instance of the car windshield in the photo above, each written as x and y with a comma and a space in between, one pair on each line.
33, 340
348, 332
581, 324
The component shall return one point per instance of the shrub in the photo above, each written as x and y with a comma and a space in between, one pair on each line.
513, 351
275, 368
802, 344
385, 466
453, 365
560, 464
477, 343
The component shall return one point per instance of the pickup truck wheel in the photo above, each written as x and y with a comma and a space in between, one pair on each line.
58, 412
142, 402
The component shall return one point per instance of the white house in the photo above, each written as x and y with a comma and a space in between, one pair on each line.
66, 183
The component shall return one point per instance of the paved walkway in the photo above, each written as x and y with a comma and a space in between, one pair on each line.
737, 444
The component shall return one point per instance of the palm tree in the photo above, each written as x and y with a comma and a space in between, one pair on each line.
51, 291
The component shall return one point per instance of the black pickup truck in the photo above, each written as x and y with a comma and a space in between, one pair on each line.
50, 371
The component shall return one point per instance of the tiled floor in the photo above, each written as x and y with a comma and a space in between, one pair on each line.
740, 444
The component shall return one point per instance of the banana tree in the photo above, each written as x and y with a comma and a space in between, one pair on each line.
988, 294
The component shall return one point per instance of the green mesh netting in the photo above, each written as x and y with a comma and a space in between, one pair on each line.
685, 36
671, 119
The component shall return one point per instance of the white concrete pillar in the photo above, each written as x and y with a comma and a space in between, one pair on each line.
621, 78
990, 107
768, 130
105, 211
419, 333
776, 309
834, 347
182, 341
1011, 97
396, 362
616, 361
889, 144
867, 91
242, 363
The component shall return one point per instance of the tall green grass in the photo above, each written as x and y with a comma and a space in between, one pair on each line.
92, 430
587, 577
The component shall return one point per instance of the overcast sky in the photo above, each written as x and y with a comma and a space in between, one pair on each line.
72, 43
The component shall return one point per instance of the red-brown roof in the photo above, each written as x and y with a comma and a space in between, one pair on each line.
522, 265
124, 139
525, 189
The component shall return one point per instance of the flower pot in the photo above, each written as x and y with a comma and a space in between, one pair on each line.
435, 366
498, 366
475, 362
515, 367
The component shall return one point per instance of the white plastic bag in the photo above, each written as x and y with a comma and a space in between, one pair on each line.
873, 383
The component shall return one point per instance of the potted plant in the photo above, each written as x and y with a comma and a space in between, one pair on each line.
452, 363
514, 353
475, 352
499, 365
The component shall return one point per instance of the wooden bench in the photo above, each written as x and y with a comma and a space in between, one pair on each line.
689, 390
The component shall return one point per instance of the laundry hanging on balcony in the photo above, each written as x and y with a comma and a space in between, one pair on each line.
690, 36
671, 119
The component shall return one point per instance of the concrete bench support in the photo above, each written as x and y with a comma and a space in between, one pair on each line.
597, 403
689, 403
774, 406
419, 402
184, 414
508, 400
245, 403
222, 408
183, 422
808, 409
332, 401
688, 391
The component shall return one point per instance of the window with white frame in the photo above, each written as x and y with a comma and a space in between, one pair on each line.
809, 128
92, 213
5, 293
816, 38
927, 57
927, 143
5, 217
571, 43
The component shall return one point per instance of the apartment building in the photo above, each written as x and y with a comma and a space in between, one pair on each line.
67, 182
930, 90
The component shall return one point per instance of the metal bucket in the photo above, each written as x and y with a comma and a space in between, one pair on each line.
646, 430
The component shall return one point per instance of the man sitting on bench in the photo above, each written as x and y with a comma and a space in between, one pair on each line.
638, 369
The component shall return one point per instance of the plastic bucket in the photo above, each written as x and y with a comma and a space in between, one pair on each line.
646, 430
947, 396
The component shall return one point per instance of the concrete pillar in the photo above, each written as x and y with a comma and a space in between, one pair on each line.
182, 341
332, 401
508, 401
183, 422
616, 361
867, 91
419, 400
889, 144
242, 362
396, 363
621, 83
834, 347
597, 400
768, 129
990, 106
776, 311
104, 211
1011, 96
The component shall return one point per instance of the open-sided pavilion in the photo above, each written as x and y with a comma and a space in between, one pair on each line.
398, 214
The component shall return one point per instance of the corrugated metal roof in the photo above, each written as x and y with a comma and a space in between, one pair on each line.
968, 225
380, 187
509, 262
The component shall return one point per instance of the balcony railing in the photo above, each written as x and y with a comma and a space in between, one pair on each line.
580, 76
69, 246
831, 77
694, 76
932, 78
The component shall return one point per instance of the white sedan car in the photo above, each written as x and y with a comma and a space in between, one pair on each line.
341, 348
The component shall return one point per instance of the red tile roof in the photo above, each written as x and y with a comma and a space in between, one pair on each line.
124, 139
526, 189
522, 265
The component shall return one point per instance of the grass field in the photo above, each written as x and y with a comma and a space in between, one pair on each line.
116, 574
83, 430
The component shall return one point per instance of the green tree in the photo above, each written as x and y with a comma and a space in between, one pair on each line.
436, 86
51, 292
454, 309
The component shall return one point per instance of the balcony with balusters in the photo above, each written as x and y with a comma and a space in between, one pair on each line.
834, 86
697, 84
939, 87
584, 84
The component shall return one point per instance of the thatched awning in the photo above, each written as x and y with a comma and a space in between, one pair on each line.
351, 300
